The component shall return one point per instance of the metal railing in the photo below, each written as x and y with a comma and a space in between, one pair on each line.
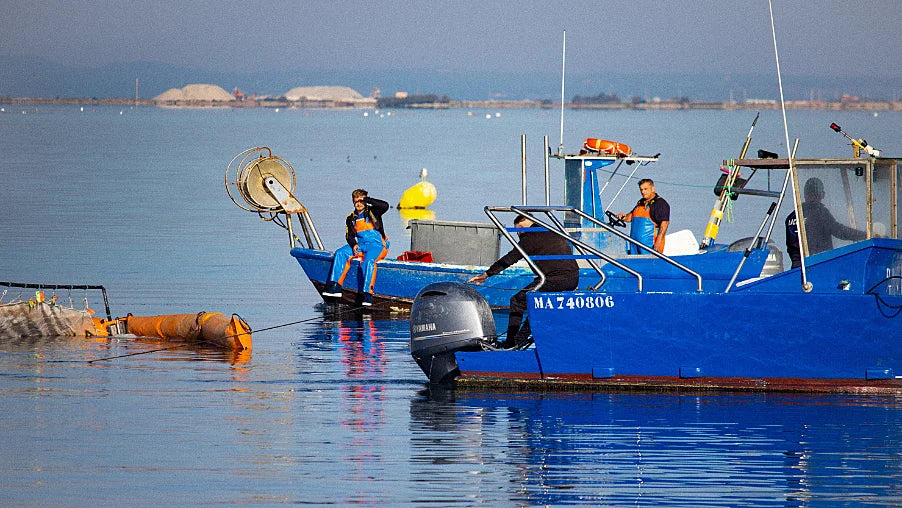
106, 302
588, 252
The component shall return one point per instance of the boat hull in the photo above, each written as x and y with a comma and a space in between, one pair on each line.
398, 282
736, 340
764, 334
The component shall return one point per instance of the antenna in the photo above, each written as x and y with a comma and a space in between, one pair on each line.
790, 173
560, 148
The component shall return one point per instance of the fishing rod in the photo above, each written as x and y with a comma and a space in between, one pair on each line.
858, 144
721, 204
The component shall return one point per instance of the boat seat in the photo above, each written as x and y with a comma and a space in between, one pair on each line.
680, 243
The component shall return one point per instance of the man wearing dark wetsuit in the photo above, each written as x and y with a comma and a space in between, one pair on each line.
820, 226
560, 275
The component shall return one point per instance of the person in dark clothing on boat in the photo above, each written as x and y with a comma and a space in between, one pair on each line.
560, 275
366, 241
650, 218
820, 226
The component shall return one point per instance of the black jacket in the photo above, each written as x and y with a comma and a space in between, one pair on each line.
375, 208
821, 227
537, 244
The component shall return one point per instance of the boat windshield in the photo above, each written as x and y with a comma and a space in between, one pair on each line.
843, 200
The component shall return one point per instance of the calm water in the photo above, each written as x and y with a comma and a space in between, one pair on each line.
330, 408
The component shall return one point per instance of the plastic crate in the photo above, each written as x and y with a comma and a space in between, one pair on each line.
460, 243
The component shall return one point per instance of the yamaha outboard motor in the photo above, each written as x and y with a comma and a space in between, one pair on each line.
446, 317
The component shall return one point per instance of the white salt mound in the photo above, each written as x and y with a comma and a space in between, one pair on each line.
322, 93
198, 92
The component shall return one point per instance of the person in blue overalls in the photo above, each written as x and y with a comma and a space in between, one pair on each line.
650, 219
366, 242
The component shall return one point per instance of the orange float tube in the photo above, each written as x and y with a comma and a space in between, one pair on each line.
604, 146
208, 327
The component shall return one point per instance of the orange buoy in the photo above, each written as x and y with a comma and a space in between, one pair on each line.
603, 146
208, 327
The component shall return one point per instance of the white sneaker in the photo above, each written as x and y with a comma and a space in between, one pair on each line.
334, 291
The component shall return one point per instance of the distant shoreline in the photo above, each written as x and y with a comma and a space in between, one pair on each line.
665, 105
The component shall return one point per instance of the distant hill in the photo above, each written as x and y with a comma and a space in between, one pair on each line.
34, 77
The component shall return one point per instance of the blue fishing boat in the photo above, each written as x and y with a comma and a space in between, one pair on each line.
449, 251
655, 321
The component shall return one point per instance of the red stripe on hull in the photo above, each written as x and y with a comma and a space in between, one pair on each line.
582, 382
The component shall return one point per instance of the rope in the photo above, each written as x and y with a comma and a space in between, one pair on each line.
880, 301
675, 184
728, 212
385, 306
188, 343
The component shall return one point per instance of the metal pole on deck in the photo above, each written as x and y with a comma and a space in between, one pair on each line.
523, 165
560, 148
725, 194
546, 149
803, 245
786, 179
748, 250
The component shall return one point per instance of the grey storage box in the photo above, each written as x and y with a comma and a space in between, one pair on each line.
459, 243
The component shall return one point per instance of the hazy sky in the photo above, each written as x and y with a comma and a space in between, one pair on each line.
819, 37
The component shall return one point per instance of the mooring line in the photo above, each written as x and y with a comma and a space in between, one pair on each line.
191, 343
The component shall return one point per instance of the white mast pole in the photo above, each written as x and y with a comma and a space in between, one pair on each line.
560, 149
806, 286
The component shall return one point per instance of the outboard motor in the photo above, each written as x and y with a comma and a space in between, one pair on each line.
774, 263
446, 317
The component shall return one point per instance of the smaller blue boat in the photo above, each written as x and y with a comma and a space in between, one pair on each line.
441, 251
830, 324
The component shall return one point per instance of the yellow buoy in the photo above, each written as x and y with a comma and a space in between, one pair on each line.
420, 195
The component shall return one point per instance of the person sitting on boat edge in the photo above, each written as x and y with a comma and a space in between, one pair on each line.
820, 225
650, 219
366, 242
560, 275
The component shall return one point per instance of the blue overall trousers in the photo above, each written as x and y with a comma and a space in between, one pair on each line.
371, 247
642, 229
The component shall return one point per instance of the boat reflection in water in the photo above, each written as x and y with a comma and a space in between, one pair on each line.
653, 449
363, 359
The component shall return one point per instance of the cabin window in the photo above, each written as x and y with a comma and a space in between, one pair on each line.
833, 191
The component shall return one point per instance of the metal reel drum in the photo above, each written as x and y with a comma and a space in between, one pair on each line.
251, 180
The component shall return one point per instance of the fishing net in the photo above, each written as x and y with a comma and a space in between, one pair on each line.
32, 319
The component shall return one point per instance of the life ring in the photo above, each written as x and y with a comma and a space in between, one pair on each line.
603, 146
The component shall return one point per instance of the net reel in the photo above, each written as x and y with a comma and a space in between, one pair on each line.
250, 171
265, 183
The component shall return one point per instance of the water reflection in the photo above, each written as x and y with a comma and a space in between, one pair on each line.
408, 214
364, 361
362, 356
651, 449
94, 350
194, 350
